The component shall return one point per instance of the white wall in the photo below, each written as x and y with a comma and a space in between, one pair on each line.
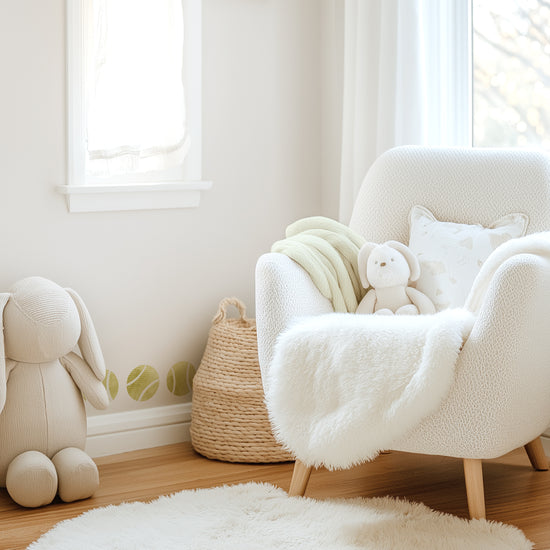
152, 280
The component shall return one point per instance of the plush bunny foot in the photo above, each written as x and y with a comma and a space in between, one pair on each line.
409, 309
384, 311
31, 479
77, 472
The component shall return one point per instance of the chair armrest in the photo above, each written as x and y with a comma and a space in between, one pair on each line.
537, 244
284, 291
511, 333
501, 396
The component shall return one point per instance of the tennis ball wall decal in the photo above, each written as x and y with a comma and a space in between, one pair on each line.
179, 379
111, 384
142, 383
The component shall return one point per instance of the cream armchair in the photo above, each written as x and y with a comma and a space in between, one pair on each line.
501, 396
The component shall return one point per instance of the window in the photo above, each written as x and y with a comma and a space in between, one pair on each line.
511, 73
134, 104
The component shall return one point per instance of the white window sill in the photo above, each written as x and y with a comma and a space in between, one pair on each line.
143, 196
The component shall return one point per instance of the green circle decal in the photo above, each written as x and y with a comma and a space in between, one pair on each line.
180, 378
111, 384
142, 383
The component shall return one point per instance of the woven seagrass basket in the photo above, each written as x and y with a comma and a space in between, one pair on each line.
229, 419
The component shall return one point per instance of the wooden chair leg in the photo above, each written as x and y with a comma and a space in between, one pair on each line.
473, 475
535, 452
300, 478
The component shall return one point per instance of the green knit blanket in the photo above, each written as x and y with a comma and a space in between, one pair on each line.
327, 250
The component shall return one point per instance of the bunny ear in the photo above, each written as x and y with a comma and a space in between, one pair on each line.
408, 254
362, 259
4, 297
88, 341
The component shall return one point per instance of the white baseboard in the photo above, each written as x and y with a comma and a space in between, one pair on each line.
115, 433
121, 432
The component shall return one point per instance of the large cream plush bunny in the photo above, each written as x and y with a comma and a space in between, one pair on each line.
388, 268
42, 415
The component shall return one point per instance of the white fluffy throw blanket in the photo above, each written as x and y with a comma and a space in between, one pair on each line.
343, 387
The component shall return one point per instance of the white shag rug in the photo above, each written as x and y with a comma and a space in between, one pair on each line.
260, 516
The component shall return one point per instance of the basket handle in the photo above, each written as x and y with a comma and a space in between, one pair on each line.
222, 310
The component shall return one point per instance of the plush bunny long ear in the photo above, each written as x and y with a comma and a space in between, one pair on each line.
362, 259
4, 297
88, 341
412, 260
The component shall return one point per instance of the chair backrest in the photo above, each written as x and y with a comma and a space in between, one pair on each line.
462, 185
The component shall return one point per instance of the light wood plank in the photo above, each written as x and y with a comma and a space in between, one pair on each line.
514, 492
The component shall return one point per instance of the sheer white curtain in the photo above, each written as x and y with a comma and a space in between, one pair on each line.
134, 86
406, 81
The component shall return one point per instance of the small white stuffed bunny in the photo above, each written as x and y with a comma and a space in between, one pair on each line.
42, 416
388, 268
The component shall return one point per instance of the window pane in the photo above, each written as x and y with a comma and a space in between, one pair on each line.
511, 46
135, 101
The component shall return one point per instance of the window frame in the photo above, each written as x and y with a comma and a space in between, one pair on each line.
174, 188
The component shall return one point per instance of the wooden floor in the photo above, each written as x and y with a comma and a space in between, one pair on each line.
515, 493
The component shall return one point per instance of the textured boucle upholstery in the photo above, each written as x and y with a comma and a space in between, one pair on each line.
501, 396
284, 291
458, 185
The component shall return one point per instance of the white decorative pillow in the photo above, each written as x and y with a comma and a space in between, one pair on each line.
451, 254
